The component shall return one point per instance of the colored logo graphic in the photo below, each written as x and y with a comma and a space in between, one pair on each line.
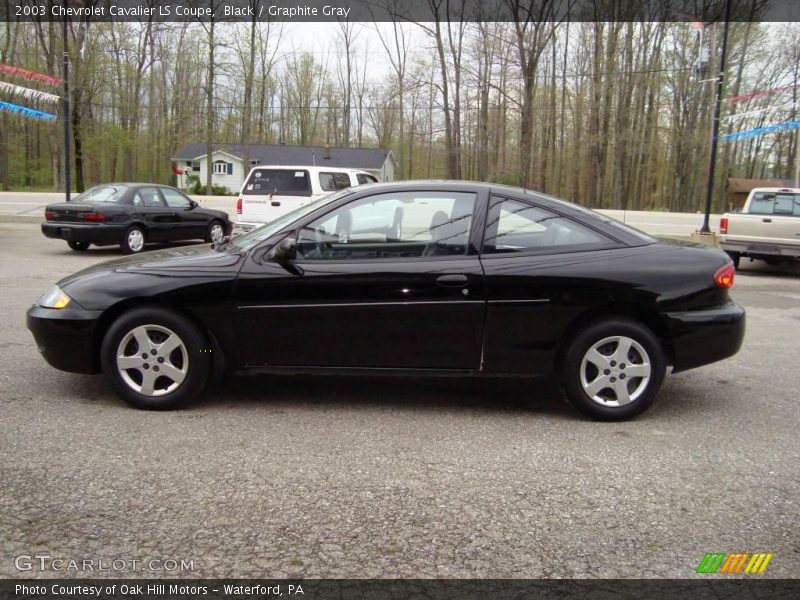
739, 562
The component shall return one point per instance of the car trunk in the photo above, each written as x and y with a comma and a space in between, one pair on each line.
68, 212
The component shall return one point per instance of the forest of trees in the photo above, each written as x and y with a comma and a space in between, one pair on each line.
608, 114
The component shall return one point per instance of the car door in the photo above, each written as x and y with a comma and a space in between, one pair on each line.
188, 222
359, 298
541, 270
149, 208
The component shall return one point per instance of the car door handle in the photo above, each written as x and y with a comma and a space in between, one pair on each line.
766, 220
452, 280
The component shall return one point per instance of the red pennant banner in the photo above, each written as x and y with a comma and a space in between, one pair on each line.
30, 75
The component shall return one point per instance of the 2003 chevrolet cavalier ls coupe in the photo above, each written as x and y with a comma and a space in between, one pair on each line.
423, 277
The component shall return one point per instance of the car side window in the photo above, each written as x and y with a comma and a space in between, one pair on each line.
151, 197
520, 227
363, 178
175, 199
331, 182
396, 225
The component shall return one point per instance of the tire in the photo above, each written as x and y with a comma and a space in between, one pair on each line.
183, 367
134, 240
596, 346
79, 246
735, 257
215, 232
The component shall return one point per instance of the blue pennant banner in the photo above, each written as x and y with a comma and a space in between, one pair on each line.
738, 135
27, 112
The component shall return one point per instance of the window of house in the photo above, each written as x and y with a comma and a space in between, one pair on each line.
222, 168
396, 225
519, 227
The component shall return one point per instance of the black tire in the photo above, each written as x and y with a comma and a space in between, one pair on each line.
78, 246
735, 257
128, 245
210, 231
189, 360
600, 335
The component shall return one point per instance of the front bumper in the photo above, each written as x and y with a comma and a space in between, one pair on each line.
102, 235
701, 337
66, 338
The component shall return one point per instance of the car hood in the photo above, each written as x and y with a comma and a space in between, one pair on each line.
151, 275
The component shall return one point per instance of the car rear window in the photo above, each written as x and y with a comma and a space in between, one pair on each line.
102, 193
775, 203
283, 182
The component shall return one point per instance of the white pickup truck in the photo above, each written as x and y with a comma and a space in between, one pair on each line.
271, 191
768, 227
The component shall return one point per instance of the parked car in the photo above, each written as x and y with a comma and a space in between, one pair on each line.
132, 215
482, 280
767, 228
269, 192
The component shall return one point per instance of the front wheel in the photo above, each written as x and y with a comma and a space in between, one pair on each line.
78, 246
133, 241
613, 369
155, 358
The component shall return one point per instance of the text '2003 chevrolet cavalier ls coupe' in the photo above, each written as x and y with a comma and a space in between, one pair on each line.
423, 277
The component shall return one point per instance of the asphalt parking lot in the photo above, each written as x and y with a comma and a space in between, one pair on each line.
382, 477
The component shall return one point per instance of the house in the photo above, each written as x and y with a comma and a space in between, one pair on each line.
737, 189
229, 170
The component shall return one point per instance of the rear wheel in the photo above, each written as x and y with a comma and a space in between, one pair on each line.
133, 241
613, 369
78, 246
215, 232
155, 358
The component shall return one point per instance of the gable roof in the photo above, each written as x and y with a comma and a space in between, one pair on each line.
277, 154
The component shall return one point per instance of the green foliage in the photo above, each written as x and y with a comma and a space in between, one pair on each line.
196, 188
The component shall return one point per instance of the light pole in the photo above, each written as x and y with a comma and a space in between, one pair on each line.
65, 33
712, 158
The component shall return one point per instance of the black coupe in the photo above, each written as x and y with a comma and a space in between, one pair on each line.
422, 277
132, 215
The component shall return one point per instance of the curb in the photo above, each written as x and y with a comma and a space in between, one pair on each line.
20, 219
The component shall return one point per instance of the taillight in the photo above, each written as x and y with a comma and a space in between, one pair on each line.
239, 206
723, 225
49, 215
724, 276
93, 217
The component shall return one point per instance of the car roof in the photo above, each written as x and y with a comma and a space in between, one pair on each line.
304, 167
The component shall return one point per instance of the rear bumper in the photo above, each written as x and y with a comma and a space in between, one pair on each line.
66, 338
240, 227
701, 337
75, 232
760, 248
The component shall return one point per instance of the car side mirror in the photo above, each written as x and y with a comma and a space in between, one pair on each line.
284, 251
192, 204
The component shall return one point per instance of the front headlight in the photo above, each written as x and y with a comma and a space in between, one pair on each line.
54, 298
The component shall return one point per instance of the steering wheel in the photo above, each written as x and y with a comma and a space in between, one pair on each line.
322, 245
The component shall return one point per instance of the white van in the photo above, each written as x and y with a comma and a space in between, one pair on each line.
271, 191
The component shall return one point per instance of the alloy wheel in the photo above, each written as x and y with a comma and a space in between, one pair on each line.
152, 360
615, 371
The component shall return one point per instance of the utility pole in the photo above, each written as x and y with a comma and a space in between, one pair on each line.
65, 33
712, 159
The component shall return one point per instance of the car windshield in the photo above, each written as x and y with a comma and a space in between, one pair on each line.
102, 193
258, 235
